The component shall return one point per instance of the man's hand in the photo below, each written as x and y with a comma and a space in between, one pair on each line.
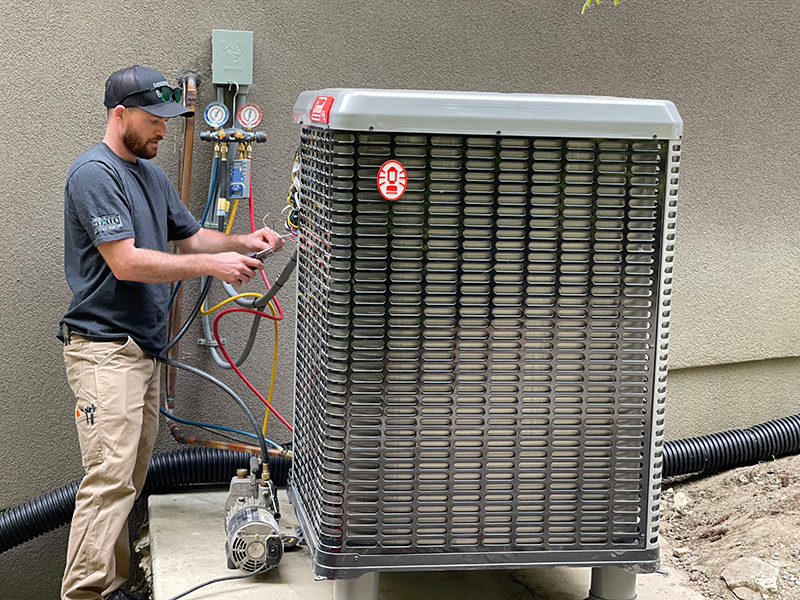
262, 239
234, 268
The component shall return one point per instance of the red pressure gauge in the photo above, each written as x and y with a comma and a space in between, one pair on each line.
249, 115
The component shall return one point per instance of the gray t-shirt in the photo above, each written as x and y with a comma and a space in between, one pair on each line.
107, 198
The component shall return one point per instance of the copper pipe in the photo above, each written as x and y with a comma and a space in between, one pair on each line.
176, 432
189, 80
190, 101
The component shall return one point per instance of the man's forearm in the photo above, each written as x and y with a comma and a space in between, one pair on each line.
212, 241
129, 263
151, 266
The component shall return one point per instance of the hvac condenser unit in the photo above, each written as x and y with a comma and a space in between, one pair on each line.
484, 287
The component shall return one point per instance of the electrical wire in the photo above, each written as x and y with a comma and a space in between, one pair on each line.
261, 569
293, 198
236, 369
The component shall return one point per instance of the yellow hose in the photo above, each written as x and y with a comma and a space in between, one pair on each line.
233, 214
272, 310
274, 370
231, 299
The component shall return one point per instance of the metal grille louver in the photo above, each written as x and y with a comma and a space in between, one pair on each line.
476, 362
242, 559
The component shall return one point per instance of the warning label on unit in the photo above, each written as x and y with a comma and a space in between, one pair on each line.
392, 180
321, 109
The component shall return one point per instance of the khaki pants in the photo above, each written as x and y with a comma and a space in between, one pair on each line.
116, 385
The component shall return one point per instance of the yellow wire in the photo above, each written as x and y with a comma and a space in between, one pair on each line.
274, 369
233, 214
231, 299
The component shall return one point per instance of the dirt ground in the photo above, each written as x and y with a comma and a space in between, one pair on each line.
747, 512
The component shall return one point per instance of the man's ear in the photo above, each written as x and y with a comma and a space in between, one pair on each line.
118, 113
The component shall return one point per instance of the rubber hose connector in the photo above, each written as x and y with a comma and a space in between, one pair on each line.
167, 472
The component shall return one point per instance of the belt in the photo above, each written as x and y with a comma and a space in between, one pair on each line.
67, 334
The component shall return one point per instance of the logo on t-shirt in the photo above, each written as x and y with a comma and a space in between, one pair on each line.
106, 223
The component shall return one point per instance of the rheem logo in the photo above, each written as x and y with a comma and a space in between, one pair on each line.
321, 109
392, 180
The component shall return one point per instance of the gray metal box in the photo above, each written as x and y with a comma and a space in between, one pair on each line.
231, 57
480, 369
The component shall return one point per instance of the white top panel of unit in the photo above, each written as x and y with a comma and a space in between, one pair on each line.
485, 113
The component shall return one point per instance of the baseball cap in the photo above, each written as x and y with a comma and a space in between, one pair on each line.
141, 87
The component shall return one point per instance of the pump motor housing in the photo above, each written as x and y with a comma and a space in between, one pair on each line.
253, 537
480, 364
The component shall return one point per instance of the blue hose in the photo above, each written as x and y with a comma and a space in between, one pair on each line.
211, 426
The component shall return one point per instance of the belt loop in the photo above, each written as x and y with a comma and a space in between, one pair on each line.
65, 333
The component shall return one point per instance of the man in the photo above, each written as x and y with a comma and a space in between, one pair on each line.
120, 210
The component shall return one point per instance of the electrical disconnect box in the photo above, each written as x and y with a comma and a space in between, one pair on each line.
484, 285
231, 57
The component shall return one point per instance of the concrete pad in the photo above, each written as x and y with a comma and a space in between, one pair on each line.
188, 547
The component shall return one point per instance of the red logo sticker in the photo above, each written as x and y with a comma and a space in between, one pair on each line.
321, 109
392, 180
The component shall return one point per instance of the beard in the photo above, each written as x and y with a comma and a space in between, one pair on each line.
138, 145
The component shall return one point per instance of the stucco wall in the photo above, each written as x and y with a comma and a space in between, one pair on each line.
732, 69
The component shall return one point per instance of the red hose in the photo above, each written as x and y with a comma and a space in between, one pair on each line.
233, 365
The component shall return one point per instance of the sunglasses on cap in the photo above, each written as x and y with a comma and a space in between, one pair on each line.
166, 93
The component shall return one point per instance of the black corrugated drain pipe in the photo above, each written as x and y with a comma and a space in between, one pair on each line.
735, 448
168, 471
174, 470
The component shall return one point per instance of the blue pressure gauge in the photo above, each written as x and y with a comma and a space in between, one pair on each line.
216, 114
